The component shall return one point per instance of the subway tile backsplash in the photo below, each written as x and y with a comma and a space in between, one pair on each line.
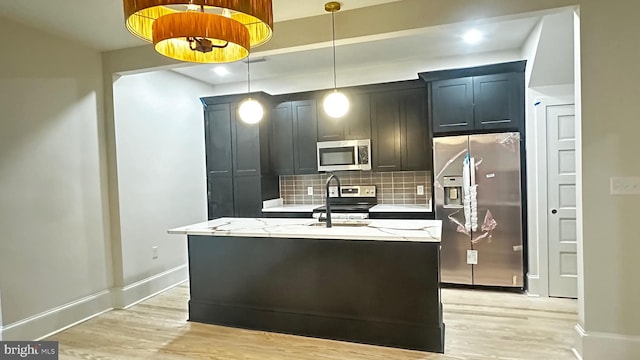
394, 188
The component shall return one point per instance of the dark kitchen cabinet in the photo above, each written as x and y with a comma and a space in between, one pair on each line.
237, 159
305, 136
220, 196
247, 197
385, 131
478, 103
452, 105
400, 130
246, 146
498, 101
218, 140
281, 140
414, 131
355, 125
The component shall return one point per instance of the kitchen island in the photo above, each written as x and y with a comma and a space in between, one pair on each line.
368, 281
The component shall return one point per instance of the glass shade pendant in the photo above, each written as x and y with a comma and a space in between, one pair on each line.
336, 104
250, 110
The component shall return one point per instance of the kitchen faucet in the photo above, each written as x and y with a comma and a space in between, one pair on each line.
328, 203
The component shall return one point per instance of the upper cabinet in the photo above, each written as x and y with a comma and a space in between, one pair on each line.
218, 140
498, 101
233, 146
281, 144
485, 98
305, 136
355, 125
400, 130
452, 104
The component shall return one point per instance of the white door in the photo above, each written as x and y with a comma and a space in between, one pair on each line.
561, 182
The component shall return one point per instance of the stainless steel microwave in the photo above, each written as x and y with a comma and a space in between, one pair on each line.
344, 155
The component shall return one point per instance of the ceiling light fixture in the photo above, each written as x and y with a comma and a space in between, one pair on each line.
203, 31
336, 104
473, 36
221, 71
250, 110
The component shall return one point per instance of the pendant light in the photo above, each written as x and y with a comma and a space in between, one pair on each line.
201, 31
336, 104
250, 110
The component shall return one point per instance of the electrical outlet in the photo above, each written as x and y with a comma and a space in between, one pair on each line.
154, 252
420, 190
625, 185
309, 190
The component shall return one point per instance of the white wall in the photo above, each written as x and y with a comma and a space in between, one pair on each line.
54, 249
554, 55
552, 38
610, 145
159, 134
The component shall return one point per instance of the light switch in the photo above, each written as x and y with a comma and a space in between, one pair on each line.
420, 190
625, 185
309, 190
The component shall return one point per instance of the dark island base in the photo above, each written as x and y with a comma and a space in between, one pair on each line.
372, 292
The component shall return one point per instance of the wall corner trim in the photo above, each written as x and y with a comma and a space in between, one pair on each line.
127, 296
611, 346
534, 286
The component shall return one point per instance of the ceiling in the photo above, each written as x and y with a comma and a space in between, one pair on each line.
358, 60
71, 18
411, 53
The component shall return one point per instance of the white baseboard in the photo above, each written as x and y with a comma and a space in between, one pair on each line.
57, 319
598, 346
63, 317
535, 286
125, 297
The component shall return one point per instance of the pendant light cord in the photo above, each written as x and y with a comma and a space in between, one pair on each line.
333, 27
248, 75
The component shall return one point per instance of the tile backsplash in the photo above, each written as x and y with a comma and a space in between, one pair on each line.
394, 188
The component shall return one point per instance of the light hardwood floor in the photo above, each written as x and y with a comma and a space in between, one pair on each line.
479, 325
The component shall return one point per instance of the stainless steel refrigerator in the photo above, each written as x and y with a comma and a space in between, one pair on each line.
477, 190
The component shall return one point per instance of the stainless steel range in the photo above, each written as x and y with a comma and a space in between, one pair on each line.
349, 202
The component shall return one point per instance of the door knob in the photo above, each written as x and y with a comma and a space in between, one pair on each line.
554, 211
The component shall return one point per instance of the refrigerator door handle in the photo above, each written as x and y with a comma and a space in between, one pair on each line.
473, 192
466, 192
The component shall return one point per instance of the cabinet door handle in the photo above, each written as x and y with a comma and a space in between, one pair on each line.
554, 211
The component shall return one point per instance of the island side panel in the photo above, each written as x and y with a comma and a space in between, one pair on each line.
374, 292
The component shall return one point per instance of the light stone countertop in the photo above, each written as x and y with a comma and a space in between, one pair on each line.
373, 229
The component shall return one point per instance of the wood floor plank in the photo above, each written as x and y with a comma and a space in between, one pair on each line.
479, 325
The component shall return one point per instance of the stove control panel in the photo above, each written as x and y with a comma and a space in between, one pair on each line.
358, 191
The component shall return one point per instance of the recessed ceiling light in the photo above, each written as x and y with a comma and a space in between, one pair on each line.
221, 70
473, 36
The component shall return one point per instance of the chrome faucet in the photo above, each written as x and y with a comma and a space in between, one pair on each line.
328, 203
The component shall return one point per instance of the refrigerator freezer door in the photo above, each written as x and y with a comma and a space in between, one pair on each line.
449, 153
498, 237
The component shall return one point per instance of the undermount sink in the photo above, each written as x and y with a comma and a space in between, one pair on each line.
341, 224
